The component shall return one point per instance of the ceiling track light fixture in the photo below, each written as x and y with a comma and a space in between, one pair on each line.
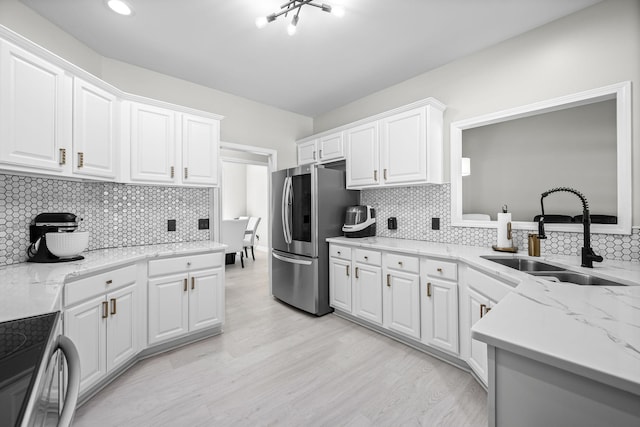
296, 6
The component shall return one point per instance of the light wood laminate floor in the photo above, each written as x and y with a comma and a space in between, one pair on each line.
274, 365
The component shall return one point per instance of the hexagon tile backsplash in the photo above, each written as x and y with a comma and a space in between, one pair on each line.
116, 215
415, 206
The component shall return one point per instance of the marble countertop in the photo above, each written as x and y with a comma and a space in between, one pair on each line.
29, 289
593, 331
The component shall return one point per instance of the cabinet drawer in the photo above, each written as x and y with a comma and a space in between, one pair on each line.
402, 262
341, 252
98, 284
368, 257
161, 267
441, 269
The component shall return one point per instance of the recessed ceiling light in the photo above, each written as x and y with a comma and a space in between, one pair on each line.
119, 6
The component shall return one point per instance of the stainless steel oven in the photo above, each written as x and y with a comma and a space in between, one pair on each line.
39, 373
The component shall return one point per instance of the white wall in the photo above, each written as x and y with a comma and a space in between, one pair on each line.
245, 121
234, 190
592, 48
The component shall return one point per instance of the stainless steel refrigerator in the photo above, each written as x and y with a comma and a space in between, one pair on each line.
308, 206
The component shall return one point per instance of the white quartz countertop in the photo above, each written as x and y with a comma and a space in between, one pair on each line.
593, 331
28, 289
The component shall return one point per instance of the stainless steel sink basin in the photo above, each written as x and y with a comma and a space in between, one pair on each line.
551, 272
523, 264
574, 277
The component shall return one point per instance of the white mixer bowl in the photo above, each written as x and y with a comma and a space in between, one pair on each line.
67, 245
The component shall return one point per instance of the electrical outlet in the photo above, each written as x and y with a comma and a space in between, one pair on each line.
435, 223
171, 225
203, 224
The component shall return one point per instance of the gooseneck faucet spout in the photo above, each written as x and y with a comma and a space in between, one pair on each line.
588, 256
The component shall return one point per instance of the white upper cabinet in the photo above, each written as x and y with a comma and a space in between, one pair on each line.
363, 154
307, 152
403, 152
330, 147
95, 130
404, 148
35, 112
153, 144
200, 142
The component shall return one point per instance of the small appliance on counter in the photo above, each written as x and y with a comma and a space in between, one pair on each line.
54, 238
359, 221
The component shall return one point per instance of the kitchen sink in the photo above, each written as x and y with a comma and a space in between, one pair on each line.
574, 277
523, 264
551, 272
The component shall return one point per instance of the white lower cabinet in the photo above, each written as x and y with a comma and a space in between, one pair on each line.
482, 292
340, 284
439, 305
402, 294
367, 291
104, 327
187, 295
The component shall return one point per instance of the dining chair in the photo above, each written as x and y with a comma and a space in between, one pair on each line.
232, 235
250, 235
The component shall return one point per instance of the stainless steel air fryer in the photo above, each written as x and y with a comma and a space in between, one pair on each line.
359, 221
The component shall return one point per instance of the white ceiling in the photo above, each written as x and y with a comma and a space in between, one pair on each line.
330, 62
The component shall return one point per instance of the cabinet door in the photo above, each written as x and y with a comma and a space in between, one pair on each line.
362, 158
86, 325
200, 140
440, 315
168, 307
206, 299
404, 147
153, 142
340, 284
121, 327
35, 112
477, 349
368, 292
330, 147
307, 152
403, 302
95, 127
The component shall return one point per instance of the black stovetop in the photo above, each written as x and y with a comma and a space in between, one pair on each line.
22, 346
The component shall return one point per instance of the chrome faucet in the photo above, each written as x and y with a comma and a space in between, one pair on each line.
588, 256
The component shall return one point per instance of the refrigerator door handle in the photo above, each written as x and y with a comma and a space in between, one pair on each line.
285, 210
291, 260
289, 202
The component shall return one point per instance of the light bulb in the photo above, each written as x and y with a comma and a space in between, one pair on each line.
261, 21
120, 7
337, 11
291, 29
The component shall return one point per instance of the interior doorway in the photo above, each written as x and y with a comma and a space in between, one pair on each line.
245, 189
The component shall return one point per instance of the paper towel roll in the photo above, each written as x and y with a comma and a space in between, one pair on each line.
503, 220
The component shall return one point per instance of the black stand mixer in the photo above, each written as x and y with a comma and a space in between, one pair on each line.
50, 223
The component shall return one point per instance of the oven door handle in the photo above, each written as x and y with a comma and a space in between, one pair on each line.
73, 388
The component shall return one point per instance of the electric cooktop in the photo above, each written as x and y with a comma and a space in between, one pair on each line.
22, 346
